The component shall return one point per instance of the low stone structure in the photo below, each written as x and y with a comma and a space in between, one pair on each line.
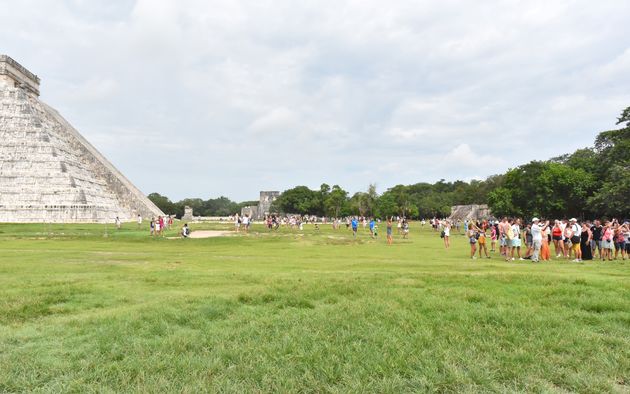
188, 213
470, 212
250, 211
48, 171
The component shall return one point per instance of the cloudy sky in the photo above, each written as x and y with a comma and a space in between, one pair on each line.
206, 98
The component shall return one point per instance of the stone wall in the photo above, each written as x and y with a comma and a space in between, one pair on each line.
470, 212
250, 211
264, 205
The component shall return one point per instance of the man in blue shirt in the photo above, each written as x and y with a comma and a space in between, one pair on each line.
355, 226
372, 224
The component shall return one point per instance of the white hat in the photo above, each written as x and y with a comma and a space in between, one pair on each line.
535, 220
573, 220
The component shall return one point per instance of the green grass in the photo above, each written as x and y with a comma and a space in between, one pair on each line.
87, 308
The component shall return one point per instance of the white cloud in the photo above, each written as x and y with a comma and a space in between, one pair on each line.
349, 92
278, 120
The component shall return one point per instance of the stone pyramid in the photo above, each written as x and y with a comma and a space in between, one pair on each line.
48, 171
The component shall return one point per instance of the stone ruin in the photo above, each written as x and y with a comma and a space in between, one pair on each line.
260, 211
470, 212
188, 213
48, 171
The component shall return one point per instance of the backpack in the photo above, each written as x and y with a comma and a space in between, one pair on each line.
442, 234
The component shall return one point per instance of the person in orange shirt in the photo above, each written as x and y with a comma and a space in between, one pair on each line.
545, 250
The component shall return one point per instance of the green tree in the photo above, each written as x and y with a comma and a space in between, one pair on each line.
335, 201
358, 204
299, 200
386, 206
545, 189
611, 199
221, 206
370, 199
500, 202
163, 203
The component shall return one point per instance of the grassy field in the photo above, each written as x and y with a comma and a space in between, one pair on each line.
87, 308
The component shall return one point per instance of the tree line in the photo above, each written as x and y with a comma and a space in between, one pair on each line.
221, 206
589, 182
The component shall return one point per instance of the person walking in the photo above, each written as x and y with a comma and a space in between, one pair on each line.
481, 240
158, 226
372, 228
447, 234
355, 226
405, 228
245, 222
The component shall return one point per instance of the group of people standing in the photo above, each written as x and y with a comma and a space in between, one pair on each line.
157, 226
242, 223
571, 240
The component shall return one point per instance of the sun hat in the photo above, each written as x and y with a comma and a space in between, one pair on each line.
573, 220
535, 220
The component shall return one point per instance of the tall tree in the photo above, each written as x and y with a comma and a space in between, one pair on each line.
299, 200
163, 203
335, 201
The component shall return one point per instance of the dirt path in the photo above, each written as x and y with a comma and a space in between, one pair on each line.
208, 234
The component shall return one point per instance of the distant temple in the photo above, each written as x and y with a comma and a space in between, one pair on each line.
48, 171
260, 211
470, 212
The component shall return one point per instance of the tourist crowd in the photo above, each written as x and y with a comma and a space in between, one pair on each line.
571, 239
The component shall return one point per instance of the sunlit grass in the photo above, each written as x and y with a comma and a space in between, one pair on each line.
92, 308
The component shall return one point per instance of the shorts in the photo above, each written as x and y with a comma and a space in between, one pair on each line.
557, 237
627, 247
482, 240
607, 245
504, 242
596, 245
620, 245
516, 243
389, 231
529, 244
575, 247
